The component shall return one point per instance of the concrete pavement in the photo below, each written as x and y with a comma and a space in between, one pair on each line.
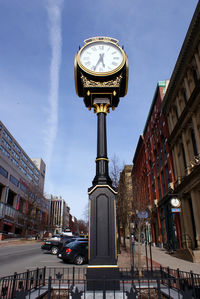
159, 257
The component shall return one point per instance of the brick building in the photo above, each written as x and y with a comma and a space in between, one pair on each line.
153, 174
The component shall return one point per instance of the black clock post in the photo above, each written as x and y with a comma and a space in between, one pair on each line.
101, 85
102, 208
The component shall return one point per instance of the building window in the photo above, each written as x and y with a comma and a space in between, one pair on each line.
14, 162
31, 165
24, 157
6, 143
163, 182
14, 180
36, 177
159, 188
15, 154
4, 151
16, 147
194, 143
30, 171
7, 136
37, 172
160, 155
176, 112
183, 154
164, 148
185, 96
29, 177
167, 172
3, 172
23, 170
154, 192
22, 187
23, 163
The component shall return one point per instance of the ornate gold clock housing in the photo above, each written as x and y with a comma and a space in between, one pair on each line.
101, 69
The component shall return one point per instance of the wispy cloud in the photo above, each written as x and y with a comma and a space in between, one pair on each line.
54, 8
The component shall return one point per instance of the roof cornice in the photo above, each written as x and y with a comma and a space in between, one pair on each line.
187, 51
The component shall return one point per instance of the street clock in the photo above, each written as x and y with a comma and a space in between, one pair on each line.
101, 69
175, 202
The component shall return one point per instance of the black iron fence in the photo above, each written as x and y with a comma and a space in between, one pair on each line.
71, 281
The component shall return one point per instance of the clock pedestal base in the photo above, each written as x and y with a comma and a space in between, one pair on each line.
102, 271
103, 278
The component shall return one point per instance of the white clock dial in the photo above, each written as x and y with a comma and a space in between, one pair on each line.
101, 57
175, 202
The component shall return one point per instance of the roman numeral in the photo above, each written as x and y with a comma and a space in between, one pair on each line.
114, 63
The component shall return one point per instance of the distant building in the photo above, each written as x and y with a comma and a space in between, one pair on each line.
21, 188
59, 214
181, 106
124, 201
153, 174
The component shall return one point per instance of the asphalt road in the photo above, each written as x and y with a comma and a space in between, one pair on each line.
20, 257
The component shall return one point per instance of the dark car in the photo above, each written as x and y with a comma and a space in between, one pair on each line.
64, 243
53, 244
75, 252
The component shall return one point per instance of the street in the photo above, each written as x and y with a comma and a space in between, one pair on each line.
20, 257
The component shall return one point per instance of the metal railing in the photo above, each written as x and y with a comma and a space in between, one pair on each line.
58, 282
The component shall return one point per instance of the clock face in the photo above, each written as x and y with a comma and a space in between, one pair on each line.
101, 58
175, 202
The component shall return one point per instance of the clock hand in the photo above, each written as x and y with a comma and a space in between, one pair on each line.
100, 60
97, 62
102, 56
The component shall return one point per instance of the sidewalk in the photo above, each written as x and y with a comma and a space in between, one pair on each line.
159, 257
9, 242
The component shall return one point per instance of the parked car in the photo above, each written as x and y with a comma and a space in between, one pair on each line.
64, 243
75, 252
53, 243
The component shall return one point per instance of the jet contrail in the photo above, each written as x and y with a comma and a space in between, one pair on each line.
54, 8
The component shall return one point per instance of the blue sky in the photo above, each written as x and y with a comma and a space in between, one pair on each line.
38, 103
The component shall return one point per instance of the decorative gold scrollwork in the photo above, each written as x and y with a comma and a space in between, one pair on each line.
91, 83
101, 108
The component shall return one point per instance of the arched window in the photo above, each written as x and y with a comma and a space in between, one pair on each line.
195, 75
185, 96
183, 155
194, 144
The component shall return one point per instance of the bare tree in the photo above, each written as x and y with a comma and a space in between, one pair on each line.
115, 170
140, 208
86, 213
83, 228
125, 198
35, 218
